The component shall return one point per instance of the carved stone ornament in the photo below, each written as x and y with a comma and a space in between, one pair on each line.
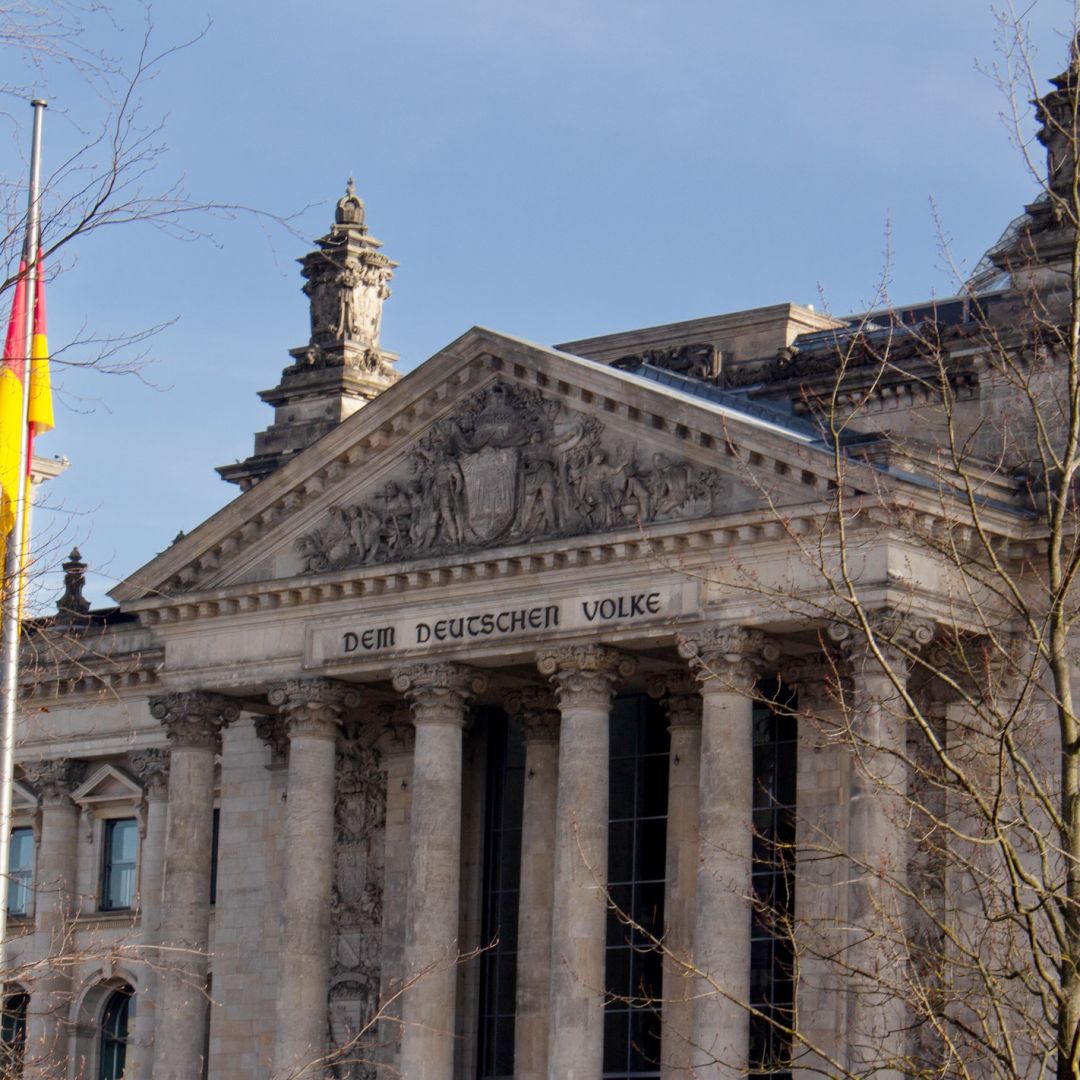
152, 769
55, 778
314, 706
681, 696
697, 361
274, 731
194, 717
585, 676
820, 681
897, 635
539, 713
439, 693
508, 466
726, 659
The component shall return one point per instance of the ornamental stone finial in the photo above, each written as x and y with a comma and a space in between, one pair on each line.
680, 694
55, 778
539, 713
194, 718
314, 706
439, 693
152, 769
585, 676
730, 658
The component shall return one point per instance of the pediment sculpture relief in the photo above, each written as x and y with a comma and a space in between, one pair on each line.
507, 467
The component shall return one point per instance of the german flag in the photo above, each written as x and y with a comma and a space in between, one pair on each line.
11, 405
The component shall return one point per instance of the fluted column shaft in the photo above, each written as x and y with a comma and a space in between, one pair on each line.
439, 695
877, 1019
312, 709
585, 678
540, 729
54, 914
726, 662
682, 700
152, 767
193, 723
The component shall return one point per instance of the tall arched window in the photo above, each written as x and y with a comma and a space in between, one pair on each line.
116, 1020
13, 1033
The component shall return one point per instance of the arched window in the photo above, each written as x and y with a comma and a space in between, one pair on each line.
116, 1020
13, 1034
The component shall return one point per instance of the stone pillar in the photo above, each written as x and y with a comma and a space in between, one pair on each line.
875, 961
152, 768
726, 661
312, 709
439, 695
585, 678
681, 696
55, 911
539, 713
193, 722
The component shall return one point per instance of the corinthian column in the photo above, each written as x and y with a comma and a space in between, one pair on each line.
585, 678
54, 913
439, 695
152, 768
726, 661
312, 709
193, 723
539, 714
681, 696
880, 663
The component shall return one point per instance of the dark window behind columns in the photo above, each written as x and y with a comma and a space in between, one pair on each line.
771, 956
637, 844
502, 873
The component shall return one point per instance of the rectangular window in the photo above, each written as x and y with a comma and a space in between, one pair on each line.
214, 834
637, 849
772, 985
118, 865
20, 871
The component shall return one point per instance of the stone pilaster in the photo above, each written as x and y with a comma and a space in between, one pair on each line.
439, 695
726, 661
55, 911
193, 722
539, 713
879, 663
585, 678
152, 768
312, 709
681, 696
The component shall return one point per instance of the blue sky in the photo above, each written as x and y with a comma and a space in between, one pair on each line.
553, 170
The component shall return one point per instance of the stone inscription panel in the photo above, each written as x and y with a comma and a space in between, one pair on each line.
361, 638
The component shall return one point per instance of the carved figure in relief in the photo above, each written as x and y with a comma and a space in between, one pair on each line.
508, 464
347, 282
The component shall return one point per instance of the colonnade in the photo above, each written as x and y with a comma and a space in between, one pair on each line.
563, 908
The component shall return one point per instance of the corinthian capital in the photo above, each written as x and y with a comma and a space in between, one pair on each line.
681, 696
439, 693
585, 676
727, 658
539, 713
55, 778
194, 718
152, 769
896, 635
313, 706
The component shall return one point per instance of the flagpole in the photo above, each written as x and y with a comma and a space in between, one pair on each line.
11, 615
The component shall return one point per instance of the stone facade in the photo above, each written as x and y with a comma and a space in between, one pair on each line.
311, 689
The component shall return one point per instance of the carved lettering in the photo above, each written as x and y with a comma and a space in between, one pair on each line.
621, 607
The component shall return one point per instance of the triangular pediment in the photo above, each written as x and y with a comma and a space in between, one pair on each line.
493, 443
107, 784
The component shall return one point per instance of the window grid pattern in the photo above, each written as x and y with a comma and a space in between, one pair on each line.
13, 1033
20, 871
119, 864
637, 844
116, 1020
772, 988
502, 872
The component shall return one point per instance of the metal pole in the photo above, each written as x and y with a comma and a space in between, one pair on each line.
11, 614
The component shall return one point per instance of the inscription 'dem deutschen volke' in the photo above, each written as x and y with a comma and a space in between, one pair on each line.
507, 622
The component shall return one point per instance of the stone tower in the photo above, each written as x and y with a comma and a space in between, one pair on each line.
343, 366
